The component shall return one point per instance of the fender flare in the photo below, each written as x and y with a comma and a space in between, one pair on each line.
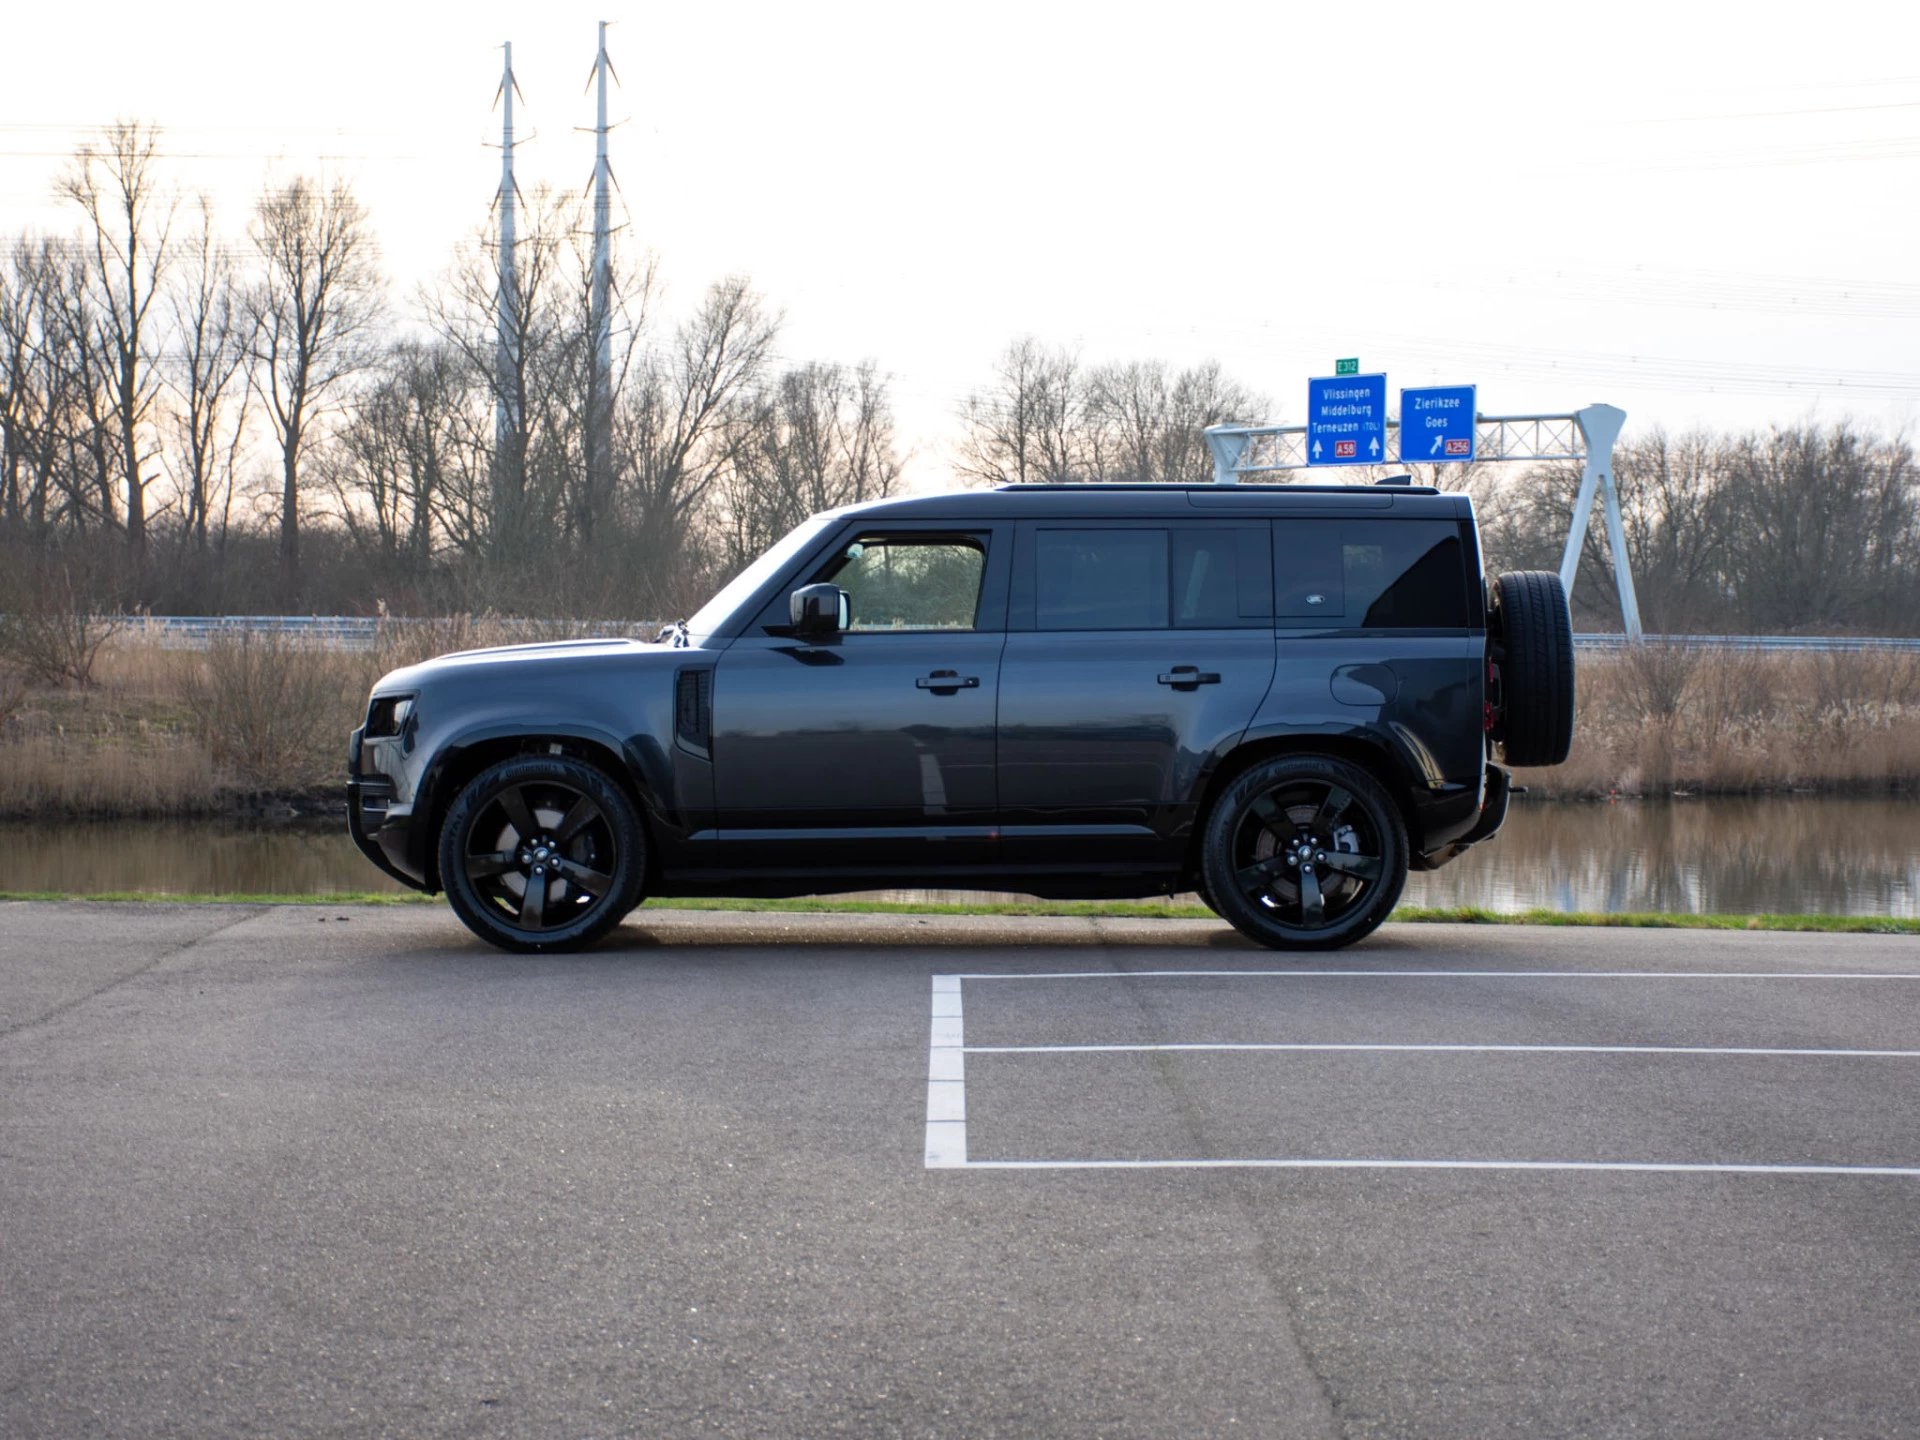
642, 780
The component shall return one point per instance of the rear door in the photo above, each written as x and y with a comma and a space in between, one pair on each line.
1134, 650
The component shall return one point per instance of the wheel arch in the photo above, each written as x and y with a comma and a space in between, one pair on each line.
467, 755
1370, 754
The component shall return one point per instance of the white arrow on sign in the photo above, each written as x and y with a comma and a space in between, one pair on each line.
1316, 449
1373, 447
1436, 445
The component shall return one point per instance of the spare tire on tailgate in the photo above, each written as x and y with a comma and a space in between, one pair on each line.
1532, 638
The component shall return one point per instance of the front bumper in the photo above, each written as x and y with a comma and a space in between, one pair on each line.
381, 837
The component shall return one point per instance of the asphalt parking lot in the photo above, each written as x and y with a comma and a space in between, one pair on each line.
287, 1171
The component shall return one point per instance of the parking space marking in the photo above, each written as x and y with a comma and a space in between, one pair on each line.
946, 1078
1436, 975
946, 1133
1630, 1166
1446, 1049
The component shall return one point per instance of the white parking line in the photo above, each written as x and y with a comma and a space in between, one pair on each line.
1448, 1049
946, 1135
946, 1078
1629, 1166
1438, 975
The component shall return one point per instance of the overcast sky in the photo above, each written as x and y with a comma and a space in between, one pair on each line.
1702, 213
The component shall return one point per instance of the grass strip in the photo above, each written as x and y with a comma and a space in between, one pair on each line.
1085, 909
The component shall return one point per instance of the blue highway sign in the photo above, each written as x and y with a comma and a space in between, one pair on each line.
1436, 424
1346, 420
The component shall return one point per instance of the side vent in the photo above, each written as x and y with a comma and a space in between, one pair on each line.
693, 709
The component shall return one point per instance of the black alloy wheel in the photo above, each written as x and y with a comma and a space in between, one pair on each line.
1306, 852
542, 852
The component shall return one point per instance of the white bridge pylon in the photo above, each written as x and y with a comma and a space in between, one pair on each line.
1585, 435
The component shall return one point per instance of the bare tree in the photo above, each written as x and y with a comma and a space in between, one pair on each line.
116, 187
1144, 422
819, 437
672, 439
529, 378
417, 434
1025, 427
24, 401
208, 380
1675, 512
311, 315
83, 469
1825, 520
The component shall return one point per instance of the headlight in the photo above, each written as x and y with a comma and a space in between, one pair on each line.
388, 715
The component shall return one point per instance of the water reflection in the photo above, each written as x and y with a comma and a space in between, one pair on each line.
1819, 856
181, 857
1787, 855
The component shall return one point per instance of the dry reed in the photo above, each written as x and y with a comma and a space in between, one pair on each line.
1674, 718
169, 732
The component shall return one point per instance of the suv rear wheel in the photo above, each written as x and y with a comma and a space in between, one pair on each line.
1304, 852
542, 852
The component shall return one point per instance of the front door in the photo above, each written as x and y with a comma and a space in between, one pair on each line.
872, 750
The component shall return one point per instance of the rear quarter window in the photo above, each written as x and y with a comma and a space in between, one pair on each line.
1372, 574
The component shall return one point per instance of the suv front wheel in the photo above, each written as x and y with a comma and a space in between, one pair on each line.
1304, 852
542, 852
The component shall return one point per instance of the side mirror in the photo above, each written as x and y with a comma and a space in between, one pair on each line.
818, 611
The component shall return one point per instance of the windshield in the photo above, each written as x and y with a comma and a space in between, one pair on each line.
736, 591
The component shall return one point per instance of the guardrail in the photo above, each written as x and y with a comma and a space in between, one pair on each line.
356, 632
1598, 640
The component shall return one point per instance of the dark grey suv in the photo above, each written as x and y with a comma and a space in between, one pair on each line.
1283, 697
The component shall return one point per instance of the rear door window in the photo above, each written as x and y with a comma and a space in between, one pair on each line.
1190, 577
1100, 580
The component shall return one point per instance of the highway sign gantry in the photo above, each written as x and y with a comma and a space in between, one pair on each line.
1346, 419
1436, 424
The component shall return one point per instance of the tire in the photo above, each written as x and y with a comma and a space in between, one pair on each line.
1305, 852
577, 838
1534, 723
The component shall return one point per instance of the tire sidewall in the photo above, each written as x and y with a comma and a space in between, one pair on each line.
1223, 822
622, 818
1535, 635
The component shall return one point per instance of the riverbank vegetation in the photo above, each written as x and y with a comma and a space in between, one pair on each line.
258, 722
1670, 717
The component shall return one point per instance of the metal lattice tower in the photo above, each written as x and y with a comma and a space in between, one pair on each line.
600, 417
506, 372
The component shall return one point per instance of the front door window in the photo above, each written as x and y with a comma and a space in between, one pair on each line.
896, 583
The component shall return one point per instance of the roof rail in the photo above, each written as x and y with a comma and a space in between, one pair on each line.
1054, 486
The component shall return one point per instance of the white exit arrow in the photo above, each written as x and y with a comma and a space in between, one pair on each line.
1436, 445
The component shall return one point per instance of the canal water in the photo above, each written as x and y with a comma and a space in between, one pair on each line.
1792, 855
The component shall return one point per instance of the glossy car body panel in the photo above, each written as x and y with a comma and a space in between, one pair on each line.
823, 746
1100, 763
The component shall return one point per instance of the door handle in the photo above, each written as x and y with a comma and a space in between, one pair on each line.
1189, 677
945, 682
